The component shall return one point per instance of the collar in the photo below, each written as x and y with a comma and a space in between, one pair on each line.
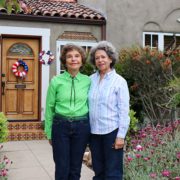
108, 75
68, 75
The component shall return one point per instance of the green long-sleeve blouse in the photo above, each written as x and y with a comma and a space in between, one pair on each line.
66, 96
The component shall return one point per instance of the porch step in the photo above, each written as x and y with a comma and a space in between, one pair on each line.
19, 131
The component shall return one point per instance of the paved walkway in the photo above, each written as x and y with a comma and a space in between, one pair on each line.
32, 160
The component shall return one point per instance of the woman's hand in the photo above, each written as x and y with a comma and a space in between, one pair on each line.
50, 142
119, 143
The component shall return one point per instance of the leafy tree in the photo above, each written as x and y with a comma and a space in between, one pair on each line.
10, 5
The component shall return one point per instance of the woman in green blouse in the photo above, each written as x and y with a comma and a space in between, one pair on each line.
66, 117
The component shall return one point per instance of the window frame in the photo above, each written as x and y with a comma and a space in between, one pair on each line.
160, 38
60, 43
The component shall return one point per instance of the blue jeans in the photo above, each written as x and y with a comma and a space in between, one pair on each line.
107, 162
69, 141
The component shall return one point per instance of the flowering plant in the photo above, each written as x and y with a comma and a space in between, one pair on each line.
4, 166
148, 72
154, 154
4, 161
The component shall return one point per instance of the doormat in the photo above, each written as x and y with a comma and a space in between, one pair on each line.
19, 131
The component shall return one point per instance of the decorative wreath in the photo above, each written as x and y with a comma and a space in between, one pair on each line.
50, 57
17, 73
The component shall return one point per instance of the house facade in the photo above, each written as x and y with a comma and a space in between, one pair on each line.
139, 22
47, 25
41, 26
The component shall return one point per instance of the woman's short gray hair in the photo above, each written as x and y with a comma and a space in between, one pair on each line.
108, 48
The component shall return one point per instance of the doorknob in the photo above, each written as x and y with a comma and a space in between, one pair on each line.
3, 86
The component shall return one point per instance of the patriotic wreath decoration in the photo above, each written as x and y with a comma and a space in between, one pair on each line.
42, 58
17, 73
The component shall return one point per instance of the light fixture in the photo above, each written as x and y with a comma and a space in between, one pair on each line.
178, 20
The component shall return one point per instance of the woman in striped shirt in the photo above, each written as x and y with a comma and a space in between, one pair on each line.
108, 109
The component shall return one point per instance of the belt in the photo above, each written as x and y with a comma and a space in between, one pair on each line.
72, 118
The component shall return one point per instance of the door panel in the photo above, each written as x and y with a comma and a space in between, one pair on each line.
20, 101
11, 103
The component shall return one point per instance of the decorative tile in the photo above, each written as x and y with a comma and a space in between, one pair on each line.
19, 131
84, 36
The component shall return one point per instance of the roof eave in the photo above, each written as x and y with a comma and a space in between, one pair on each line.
53, 19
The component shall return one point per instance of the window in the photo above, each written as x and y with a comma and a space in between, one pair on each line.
161, 41
20, 49
86, 45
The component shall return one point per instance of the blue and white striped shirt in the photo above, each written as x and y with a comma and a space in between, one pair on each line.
109, 104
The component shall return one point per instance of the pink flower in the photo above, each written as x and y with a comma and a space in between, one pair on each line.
146, 158
129, 158
166, 173
5, 157
152, 152
6, 161
138, 155
154, 144
139, 148
153, 175
3, 172
142, 134
178, 155
177, 178
133, 141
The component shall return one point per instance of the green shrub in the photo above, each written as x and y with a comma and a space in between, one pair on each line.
148, 72
87, 69
10, 5
174, 88
3, 128
133, 127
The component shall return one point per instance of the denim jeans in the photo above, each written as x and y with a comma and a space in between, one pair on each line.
107, 162
69, 141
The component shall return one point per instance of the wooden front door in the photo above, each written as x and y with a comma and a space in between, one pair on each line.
20, 95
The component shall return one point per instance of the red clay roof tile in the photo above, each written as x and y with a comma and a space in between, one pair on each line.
61, 8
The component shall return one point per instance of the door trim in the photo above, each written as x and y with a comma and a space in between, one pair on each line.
44, 34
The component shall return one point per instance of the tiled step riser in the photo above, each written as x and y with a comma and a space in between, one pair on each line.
19, 131
26, 136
